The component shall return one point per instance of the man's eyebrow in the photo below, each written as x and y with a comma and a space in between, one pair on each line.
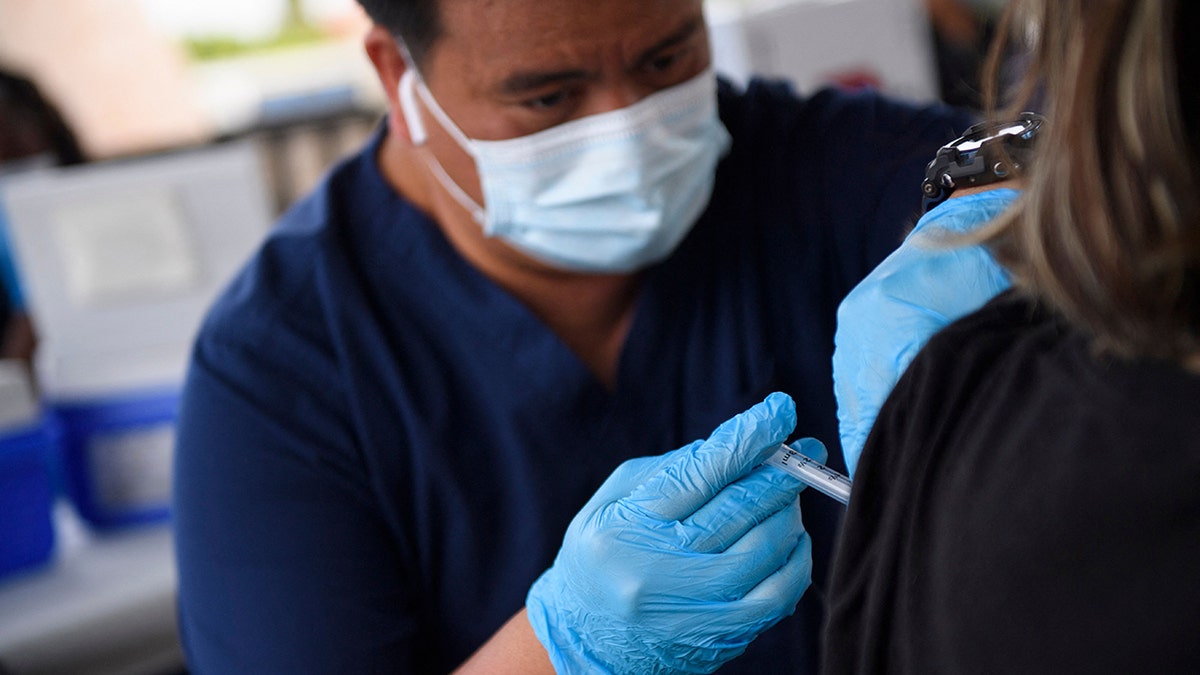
529, 81
685, 33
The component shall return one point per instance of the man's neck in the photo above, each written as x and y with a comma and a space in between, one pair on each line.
592, 314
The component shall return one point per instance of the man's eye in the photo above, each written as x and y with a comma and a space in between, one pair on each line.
547, 101
662, 63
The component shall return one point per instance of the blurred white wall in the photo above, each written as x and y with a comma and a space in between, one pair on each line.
881, 43
121, 84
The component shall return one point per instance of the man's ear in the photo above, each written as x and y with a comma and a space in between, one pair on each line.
385, 55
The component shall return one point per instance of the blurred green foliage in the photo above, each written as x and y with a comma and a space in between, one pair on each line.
296, 30
218, 47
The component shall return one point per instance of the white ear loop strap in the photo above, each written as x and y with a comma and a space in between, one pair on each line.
443, 119
464, 200
408, 107
409, 81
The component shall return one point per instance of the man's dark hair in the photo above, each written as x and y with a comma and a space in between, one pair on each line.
416, 23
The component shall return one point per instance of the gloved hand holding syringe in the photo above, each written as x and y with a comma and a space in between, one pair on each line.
811, 472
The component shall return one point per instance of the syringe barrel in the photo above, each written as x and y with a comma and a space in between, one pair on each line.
812, 472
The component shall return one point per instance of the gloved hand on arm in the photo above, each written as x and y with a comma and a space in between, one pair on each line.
916, 291
679, 561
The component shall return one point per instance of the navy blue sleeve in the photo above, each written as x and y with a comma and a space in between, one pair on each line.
872, 156
879, 166
285, 563
844, 169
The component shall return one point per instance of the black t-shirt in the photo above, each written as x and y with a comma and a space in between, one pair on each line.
1023, 506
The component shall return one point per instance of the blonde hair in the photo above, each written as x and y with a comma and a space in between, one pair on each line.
1107, 230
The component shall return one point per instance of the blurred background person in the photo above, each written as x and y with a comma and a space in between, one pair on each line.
961, 32
33, 134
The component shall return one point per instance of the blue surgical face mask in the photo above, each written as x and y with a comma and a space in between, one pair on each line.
611, 192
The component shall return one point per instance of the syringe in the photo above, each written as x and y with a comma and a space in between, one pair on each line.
812, 472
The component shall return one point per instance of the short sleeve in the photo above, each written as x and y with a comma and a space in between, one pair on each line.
285, 563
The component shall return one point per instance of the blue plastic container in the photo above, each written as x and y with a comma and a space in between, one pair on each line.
117, 455
26, 498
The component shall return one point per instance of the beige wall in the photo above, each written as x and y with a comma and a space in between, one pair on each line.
123, 87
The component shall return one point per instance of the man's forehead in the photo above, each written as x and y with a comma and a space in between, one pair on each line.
561, 7
509, 32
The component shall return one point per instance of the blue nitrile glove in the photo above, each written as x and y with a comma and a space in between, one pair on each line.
919, 289
679, 561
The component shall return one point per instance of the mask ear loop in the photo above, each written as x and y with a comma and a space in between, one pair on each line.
408, 107
409, 81
412, 85
435, 109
